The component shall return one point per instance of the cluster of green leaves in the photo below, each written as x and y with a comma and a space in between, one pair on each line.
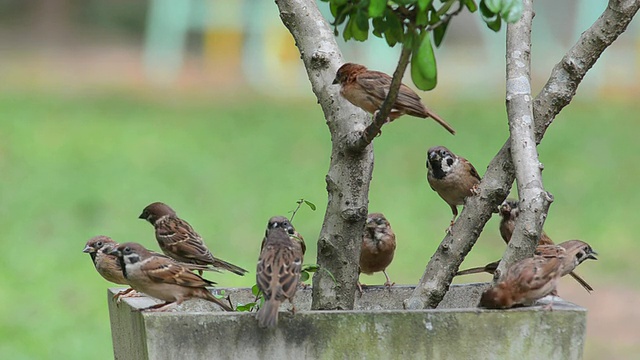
413, 23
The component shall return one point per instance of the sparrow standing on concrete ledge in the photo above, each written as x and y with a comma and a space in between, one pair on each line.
162, 278
452, 177
378, 247
178, 240
278, 270
509, 212
98, 247
528, 280
368, 89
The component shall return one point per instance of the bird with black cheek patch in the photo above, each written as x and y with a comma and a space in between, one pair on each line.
368, 89
180, 241
452, 177
107, 265
278, 270
162, 278
378, 247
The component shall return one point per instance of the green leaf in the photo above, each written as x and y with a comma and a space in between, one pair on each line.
304, 276
360, 27
424, 72
512, 12
394, 34
494, 5
424, 4
471, 5
421, 18
255, 290
347, 33
484, 10
379, 26
494, 24
245, 307
438, 33
310, 267
311, 205
376, 8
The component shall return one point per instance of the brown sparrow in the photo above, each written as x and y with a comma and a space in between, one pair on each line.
575, 253
98, 247
178, 240
451, 176
162, 278
378, 247
294, 235
278, 270
509, 212
525, 281
368, 89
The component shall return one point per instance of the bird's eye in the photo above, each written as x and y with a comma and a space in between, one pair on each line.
127, 250
99, 244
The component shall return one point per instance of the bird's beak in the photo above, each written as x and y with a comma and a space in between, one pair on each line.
142, 216
87, 249
290, 230
335, 81
592, 255
114, 252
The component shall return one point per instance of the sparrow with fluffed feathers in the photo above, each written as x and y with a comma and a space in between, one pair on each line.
367, 89
452, 177
162, 278
378, 247
180, 241
107, 265
526, 281
278, 270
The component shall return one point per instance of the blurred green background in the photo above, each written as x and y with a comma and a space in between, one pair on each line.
89, 136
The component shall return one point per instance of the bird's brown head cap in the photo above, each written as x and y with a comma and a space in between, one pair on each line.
155, 211
346, 71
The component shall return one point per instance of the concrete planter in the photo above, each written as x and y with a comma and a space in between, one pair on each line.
378, 329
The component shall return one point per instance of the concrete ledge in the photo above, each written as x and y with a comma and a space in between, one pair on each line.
379, 329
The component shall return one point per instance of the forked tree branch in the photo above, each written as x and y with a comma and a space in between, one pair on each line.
534, 200
494, 188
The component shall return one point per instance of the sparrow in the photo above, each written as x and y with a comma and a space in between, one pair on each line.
525, 281
378, 247
162, 278
108, 266
368, 89
180, 241
575, 253
452, 177
278, 270
509, 212
294, 235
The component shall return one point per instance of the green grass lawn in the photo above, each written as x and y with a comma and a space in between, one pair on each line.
76, 166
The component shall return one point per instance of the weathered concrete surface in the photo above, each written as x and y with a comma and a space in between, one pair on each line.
378, 329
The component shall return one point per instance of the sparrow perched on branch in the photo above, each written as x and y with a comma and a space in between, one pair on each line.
378, 247
178, 240
451, 176
525, 281
98, 247
368, 89
278, 270
509, 212
162, 278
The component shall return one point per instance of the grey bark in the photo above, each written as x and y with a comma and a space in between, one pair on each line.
494, 188
349, 171
534, 200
